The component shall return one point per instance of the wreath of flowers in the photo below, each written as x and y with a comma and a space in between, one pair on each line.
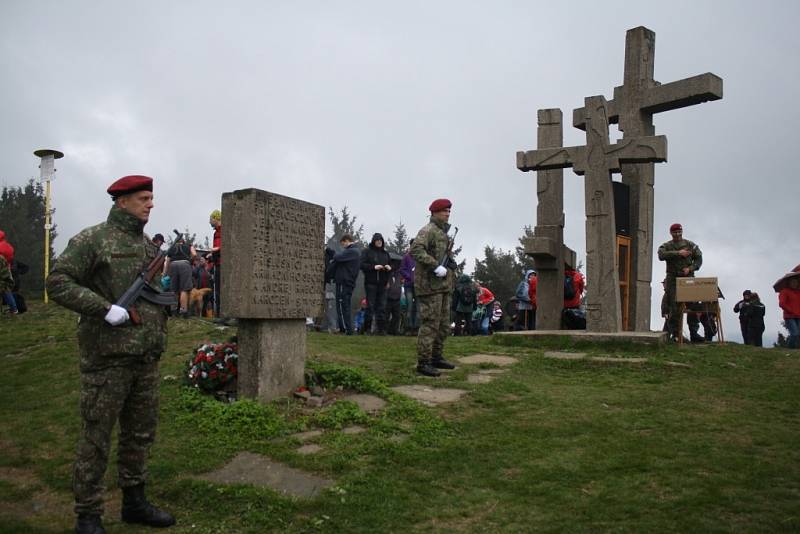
213, 366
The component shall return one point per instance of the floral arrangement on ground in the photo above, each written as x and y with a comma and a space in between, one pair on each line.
213, 367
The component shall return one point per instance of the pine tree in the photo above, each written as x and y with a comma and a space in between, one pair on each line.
22, 219
524, 261
399, 244
343, 223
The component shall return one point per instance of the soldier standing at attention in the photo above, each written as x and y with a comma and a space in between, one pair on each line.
433, 282
118, 359
683, 258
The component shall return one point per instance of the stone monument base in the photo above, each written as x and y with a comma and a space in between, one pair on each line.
272, 357
647, 338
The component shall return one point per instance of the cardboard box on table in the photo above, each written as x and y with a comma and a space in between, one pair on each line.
703, 290
690, 289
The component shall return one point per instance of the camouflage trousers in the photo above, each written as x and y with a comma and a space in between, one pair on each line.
434, 311
128, 394
674, 317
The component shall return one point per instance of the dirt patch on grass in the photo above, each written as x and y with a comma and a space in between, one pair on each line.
471, 523
22, 478
784, 364
9, 448
45, 506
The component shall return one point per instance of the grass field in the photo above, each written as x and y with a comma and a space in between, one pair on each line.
552, 445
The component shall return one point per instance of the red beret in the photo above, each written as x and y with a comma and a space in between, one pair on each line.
676, 226
439, 204
130, 184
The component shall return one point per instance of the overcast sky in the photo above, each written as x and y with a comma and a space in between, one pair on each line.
384, 106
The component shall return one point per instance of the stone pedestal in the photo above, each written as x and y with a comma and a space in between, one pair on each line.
272, 279
272, 357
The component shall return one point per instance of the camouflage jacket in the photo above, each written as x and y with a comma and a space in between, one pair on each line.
95, 269
428, 249
6, 280
668, 252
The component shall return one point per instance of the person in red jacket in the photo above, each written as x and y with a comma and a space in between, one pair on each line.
574, 284
789, 301
7, 251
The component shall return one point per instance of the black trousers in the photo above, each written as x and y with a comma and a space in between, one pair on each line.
526, 320
344, 314
217, 287
754, 336
376, 307
393, 312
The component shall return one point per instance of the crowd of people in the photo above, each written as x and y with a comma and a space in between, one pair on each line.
192, 274
391, 307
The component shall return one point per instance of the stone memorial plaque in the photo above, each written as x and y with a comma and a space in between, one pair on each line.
272, 256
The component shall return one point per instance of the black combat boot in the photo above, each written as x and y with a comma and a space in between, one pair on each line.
441, 363
136, 509
89, 524
425, 368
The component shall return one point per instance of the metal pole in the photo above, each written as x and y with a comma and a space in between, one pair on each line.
47, 169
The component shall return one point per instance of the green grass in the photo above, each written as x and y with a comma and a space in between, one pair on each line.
552, 445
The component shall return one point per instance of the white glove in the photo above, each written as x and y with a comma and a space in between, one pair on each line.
116, 315
440, 271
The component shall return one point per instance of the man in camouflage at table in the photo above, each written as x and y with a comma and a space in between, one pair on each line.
118, 359
433, 282
683, 258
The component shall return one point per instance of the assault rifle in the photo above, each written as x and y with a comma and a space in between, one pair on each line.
447, 260
141, 288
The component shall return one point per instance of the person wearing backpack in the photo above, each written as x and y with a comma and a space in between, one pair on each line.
525, 309
572, 316
464, 301
574, 284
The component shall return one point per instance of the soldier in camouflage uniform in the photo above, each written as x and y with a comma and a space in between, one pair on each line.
434, 277
683, 258
118, 359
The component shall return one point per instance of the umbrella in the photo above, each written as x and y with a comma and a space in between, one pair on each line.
781, 283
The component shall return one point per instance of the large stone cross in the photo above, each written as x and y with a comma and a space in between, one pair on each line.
596, 161
632, 108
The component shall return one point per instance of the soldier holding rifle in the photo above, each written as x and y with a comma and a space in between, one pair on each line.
435, 273
109, 273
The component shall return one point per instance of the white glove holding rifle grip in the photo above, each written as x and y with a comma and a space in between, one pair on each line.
440, 271
116, 315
